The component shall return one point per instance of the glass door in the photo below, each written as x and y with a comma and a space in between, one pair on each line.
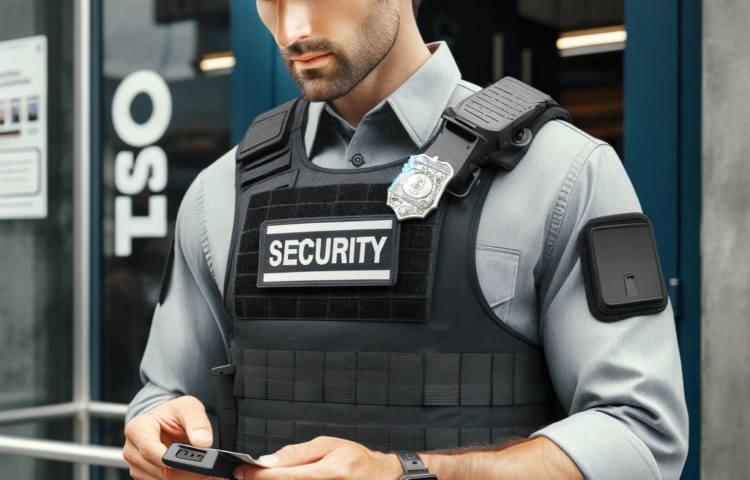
162, 90
36, 254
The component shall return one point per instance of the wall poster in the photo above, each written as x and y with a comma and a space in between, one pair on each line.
23, 128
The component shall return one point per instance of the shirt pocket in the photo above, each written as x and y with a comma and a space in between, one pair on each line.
497, 271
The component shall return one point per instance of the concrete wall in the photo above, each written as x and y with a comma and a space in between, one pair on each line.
725, 240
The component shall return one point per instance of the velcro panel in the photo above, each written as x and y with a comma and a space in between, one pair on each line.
407, 301
262, 437
416, 379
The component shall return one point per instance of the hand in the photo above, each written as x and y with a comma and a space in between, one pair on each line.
324, 458
181, 420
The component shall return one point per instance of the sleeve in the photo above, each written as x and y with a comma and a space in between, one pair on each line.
189, 332
620, 382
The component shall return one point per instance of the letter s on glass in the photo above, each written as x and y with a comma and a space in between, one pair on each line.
149, 168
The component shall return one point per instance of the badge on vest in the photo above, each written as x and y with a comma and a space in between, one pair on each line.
338, 251
418, 188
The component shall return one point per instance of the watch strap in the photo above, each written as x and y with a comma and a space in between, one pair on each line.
412, 463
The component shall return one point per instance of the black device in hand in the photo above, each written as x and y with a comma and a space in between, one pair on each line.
206, 461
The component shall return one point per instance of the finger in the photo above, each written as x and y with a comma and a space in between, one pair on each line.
166, 474
174, 474
140, 474
136, 460
302, 453
312, 471
144, 433
191, 414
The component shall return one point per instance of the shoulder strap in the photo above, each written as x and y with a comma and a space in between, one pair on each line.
268, 132
511, 155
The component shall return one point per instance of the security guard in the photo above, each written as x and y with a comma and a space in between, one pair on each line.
399, 261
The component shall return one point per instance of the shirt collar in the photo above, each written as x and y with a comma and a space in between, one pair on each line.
418, 103
421, 100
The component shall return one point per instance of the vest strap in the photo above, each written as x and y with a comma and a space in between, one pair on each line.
392, 379
269, 131
256, 437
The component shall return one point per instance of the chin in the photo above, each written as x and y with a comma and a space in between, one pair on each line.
320, 90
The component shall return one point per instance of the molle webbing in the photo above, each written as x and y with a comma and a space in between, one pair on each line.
410, 379
407, 301
258, 437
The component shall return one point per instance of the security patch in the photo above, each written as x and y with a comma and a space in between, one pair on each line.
338, 251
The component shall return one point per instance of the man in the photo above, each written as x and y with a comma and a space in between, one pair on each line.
448, 372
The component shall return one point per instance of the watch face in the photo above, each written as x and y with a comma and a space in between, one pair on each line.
420, 476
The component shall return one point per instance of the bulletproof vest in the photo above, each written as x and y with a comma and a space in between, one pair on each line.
420, 363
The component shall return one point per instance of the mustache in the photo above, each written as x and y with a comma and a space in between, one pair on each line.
301, 47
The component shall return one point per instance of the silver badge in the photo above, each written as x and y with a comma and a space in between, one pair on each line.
418, 188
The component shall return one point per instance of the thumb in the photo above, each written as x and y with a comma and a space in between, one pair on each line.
301, 454
191, 414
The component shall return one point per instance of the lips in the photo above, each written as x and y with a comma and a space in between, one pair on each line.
310, 60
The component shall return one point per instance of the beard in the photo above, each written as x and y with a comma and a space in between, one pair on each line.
350, 62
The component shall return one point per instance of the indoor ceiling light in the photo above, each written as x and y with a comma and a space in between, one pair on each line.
596, 40
217, 61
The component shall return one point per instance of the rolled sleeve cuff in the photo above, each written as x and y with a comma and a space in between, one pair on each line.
148, 398
602, 447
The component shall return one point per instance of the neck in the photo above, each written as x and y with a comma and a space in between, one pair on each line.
408, 54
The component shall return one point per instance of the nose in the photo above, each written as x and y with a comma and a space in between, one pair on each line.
293, 21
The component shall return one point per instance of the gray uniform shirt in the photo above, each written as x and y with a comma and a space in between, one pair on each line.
620, 382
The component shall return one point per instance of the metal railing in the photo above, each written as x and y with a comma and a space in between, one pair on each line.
63, 451
81, 226
78, 453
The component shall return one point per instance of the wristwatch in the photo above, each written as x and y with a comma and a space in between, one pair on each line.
414, 468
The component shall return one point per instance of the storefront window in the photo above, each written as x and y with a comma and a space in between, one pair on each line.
36, 247
165, 113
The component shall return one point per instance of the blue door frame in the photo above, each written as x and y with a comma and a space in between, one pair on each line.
662, 143
260, 81
662, 156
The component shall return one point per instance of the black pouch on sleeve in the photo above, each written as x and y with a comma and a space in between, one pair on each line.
621, 270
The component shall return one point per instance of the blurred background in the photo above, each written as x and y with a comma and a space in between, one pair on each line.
79, 285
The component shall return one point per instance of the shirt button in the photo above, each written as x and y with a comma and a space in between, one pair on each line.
358, 160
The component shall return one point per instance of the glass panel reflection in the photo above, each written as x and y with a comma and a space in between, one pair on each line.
36, 297
152, 52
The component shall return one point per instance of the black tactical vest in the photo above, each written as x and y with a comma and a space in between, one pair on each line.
421, 365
